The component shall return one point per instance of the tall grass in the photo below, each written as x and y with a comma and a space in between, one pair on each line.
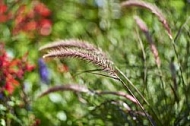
168, 104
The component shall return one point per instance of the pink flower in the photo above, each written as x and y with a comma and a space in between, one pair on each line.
45, 27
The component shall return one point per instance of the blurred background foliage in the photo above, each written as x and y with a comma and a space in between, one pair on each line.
27, 24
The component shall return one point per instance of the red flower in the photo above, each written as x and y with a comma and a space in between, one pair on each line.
29, 67
4, 16
33, 19
10, 84
30, 26
11, 70
42, 10
3, 8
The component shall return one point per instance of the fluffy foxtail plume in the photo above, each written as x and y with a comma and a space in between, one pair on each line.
69, 43
154, 9
82, 50
84, 89
141, 24
69, 87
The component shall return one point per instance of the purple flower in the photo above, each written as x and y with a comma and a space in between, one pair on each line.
43, 71
1, 96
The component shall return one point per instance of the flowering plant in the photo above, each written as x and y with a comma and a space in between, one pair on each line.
12, 70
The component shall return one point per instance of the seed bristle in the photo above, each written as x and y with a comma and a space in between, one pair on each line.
69, 43
142, 25
153, 8
86, 52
